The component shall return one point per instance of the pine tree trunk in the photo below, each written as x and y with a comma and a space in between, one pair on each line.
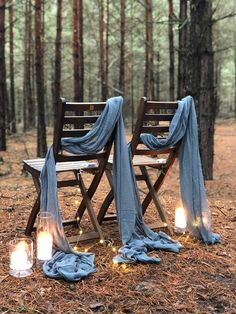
122, 47
57, 68
202, 79
158, 77
29, 114
234, 72
171, 53
149, 77
41, 127
81, 51
107, 47
12, 80
183, 48
3, 89
77, 50
102, 51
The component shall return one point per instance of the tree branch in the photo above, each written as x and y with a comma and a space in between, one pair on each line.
232, 14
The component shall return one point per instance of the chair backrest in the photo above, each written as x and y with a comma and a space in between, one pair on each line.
75, 119
153, 117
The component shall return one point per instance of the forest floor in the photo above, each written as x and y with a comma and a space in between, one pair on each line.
200, 279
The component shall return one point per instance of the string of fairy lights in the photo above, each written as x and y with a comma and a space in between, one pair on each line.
110, 243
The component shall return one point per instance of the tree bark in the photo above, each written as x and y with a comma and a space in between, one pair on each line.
149, 77
234, 72
102, 51
81, 50
122, 47
183, 48
3, 89
57, 67
41, 127
77, 50
171, 52
107, 46
158, 77
201, 67
29, 112
12, 79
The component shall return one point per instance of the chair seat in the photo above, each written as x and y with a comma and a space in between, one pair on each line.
141, 160
37, 164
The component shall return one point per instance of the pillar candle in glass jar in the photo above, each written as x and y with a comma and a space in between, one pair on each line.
44, 237
21, 257
180, 220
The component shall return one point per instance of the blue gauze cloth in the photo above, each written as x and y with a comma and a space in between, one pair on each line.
184, 127
136, 237
93, 141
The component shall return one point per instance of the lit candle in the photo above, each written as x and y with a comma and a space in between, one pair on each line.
44, 246
21, 257
44, 237
180, 220
18, 258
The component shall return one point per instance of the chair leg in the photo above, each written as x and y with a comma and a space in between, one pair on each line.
154, 197
89, 207
107, 202
158, 183
33, 216
90, 192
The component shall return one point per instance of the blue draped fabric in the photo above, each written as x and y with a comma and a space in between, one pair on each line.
92, 142
184, 127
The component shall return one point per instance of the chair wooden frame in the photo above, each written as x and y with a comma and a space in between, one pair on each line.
74, 119
153, 117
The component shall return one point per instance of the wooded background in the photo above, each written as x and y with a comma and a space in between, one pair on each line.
95, 49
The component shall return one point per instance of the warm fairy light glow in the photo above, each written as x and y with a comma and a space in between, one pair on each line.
78, 190
101, 241
85, 250
123, 266
114, 249
76, 202
115, 262
206, 220
81, 232
180, 220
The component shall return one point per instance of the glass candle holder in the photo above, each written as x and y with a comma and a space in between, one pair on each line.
21, 257
180, 220
44, 237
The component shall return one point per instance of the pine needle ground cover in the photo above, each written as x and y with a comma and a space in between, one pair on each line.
200, 279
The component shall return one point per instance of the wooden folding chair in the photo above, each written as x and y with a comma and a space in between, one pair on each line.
74, 119
153, 117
